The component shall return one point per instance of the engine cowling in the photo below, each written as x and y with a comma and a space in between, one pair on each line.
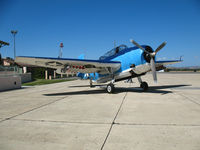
147, 57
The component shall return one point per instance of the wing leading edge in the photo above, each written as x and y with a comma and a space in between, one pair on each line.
70, 65
167, 62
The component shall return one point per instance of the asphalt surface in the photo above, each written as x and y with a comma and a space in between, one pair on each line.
72, 116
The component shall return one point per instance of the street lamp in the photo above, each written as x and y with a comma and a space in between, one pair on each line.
14, 32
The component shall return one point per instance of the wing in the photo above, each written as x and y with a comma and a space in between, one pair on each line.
70, 65
168, 62
143, 68
161, 64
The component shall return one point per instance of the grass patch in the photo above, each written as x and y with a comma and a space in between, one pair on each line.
43, 81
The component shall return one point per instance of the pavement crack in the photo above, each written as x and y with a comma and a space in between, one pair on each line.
143, 124
113, 122
66, 122
33, 109
188, 98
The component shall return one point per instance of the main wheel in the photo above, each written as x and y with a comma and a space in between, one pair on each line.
110, 88
144, 86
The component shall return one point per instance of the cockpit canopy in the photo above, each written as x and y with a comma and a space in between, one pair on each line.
113, 52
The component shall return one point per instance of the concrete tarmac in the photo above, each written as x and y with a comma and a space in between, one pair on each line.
72, 116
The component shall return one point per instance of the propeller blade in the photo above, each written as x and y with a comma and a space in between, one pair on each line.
136, 44
153, 69
160, 47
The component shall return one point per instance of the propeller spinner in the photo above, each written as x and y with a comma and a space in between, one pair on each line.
152, 56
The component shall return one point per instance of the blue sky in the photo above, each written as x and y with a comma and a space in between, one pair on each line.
90, 27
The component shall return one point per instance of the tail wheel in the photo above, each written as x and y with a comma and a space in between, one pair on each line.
110, 88
144, 86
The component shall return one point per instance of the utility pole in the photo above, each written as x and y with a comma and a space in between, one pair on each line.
14, 32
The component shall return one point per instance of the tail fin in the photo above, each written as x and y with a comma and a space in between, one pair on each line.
82, 56
81, 75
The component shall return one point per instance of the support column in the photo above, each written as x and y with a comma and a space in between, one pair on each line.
54, 74
24, 69
46, 74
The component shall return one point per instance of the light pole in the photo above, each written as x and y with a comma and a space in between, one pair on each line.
14, 32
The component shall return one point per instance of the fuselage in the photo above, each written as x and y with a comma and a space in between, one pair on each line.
129, 58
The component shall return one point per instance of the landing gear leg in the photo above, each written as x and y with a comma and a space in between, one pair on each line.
143, 85
110, 87
91, 83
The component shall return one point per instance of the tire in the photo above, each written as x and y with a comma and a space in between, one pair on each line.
144, 86
110, 88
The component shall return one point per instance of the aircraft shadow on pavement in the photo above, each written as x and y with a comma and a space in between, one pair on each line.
75, 86
152, 89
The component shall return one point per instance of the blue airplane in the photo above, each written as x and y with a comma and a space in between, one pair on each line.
120, 63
